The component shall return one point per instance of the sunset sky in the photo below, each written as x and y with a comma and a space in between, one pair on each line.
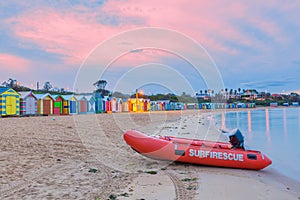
252, 44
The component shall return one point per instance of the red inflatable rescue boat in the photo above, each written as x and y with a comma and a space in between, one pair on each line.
195, 151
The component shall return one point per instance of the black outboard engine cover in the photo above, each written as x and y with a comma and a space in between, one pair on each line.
236, 139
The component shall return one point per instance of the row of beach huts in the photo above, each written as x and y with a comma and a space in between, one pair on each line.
14, 103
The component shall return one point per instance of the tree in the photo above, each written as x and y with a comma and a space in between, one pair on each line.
12, 83
47, 86
100, 88
186, 98
100, 84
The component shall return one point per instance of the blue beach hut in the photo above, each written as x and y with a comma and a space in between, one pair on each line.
72, 103
99, 103
90, 104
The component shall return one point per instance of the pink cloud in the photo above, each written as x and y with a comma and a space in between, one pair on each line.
12, 63
207, 22
140, 57
70, 35
73, 34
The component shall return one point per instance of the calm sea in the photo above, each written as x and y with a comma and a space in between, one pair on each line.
275, 132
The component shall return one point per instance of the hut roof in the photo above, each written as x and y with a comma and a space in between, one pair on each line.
42, 96
55, 96
26, 94
3, 89
68, 97
80, 97
89, 97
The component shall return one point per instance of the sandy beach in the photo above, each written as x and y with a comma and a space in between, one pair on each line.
85, 157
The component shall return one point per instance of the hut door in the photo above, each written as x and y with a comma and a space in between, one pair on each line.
72, 106
57, 108
83, 107
11, 106
47, 107
30, 106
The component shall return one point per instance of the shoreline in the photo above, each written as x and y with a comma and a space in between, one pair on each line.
46, 157
269, 176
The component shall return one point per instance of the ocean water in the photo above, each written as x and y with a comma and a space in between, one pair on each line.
273, 131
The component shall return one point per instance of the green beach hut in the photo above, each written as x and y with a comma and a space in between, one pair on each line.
9, 102
60, 105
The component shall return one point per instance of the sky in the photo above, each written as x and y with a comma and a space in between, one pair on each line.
173, 46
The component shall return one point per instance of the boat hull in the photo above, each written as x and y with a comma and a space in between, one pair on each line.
195, 151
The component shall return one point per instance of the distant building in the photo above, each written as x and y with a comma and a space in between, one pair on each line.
204, 97
274, 104
250, 94
278, 96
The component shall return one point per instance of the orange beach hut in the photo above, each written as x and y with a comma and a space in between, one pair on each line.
45, 104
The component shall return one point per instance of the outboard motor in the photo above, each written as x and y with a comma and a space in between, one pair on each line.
236, 139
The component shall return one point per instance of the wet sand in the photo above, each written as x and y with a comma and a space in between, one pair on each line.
85, 157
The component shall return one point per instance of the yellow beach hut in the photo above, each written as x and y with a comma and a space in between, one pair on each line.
136, 105
9, 102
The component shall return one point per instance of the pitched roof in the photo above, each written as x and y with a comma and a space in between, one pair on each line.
69, 97
26, 94
42, 96
88, 97
3, 89
80, 97
55, 96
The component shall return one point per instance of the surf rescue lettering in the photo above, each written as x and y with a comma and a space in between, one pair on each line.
216, 155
